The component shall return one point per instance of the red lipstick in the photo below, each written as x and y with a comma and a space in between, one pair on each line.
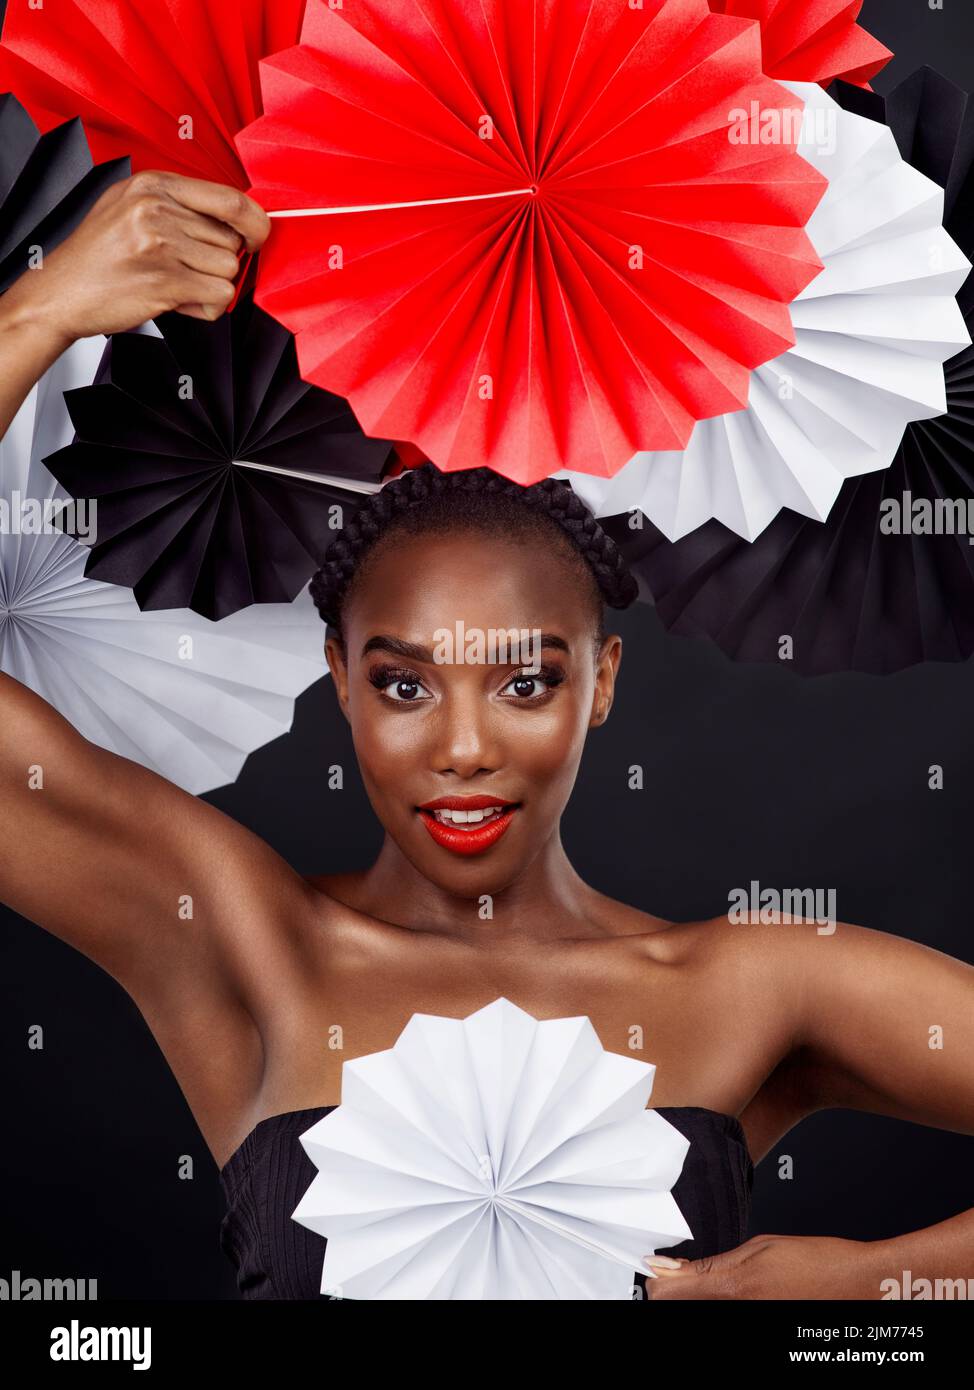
467, 837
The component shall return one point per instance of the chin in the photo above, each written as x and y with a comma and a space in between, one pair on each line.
466, 876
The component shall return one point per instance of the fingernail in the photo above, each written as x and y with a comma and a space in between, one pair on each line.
661, 1262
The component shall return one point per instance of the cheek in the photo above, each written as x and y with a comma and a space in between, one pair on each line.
547, 746
388, 747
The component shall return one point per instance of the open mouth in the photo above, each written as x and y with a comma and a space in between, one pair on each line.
467, 824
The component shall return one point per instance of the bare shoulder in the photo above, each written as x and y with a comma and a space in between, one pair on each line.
720, 939
776, 953
814, 973
816, 950
760, 962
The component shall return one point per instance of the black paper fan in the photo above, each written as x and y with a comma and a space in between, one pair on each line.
47, 185
862, 591
215, 469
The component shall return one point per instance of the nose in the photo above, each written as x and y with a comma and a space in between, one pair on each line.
466, 740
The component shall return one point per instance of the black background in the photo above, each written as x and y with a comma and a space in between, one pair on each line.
750, 773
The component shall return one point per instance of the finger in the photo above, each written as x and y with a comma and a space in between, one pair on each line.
194, 311
208, 260
209, 293
207, 229
215, 200
713, 1276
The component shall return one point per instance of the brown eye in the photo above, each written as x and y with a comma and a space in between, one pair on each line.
525, 686
404, 690
398, 686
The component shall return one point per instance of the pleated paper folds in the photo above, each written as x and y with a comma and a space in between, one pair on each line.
168, 83
493, 1157
216, 469
524, 236
813, 40
188, 698
47, 185
888, 580
872, 333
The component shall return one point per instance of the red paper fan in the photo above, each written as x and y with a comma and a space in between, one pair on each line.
136, 72
542, 248
812, 40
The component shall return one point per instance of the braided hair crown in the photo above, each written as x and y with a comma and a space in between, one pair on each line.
405, 497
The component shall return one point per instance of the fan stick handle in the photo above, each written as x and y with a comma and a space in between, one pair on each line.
324, 479
391, 207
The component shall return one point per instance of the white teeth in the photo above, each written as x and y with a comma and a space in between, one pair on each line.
467, 817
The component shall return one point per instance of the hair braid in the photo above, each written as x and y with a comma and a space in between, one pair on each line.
416, 488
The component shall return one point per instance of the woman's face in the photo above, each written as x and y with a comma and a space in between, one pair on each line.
468, 756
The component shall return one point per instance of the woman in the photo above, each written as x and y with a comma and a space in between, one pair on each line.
468, 765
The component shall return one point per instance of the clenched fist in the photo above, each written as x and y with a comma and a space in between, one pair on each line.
152, 243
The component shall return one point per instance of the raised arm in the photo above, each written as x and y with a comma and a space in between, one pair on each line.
173, 899
185, 908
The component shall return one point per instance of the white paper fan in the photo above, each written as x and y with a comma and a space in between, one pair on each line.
184, 696
872, 333
493, 1157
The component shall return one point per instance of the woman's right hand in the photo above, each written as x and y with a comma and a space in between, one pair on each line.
152, 243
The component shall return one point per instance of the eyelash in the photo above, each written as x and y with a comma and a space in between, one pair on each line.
552, 676
382, 677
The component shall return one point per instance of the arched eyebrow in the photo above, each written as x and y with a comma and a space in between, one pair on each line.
412, 651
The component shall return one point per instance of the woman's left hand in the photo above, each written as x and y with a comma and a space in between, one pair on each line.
773, 1267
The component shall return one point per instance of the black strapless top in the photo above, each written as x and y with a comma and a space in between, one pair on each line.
277, 1257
